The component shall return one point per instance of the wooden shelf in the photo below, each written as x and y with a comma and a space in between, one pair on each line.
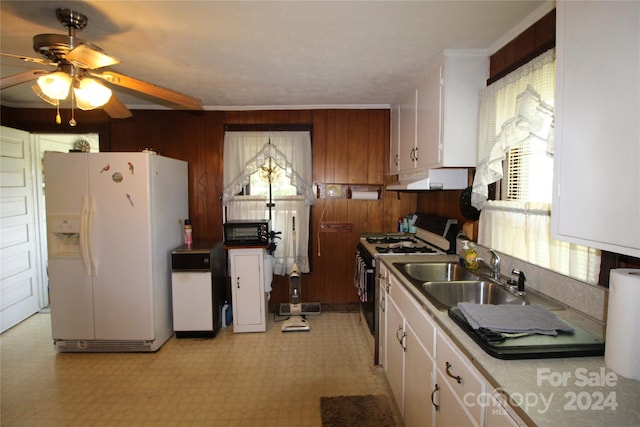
348, 191
335, 227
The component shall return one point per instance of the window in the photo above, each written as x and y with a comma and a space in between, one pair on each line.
528, 174
268, 175
516, 150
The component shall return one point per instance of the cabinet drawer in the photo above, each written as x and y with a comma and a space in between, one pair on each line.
463, 378
423, 326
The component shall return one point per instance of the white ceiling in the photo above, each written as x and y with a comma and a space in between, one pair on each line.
276, 54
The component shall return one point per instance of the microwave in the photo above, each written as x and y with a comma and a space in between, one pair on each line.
247, 232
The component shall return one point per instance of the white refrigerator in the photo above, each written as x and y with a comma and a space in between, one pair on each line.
112, 221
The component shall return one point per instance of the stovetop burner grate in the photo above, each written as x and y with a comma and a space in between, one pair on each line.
404, 250
390, 239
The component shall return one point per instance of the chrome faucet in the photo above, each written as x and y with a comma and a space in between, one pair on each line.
494, 263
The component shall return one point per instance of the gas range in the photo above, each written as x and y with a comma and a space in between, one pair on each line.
434, 236
392, 244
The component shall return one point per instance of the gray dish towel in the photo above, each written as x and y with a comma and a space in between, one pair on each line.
533, 319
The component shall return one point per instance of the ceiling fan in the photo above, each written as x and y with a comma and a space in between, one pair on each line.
79, 64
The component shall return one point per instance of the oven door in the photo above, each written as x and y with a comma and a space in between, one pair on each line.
365, 282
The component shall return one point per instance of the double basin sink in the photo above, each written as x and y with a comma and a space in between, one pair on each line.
446, 284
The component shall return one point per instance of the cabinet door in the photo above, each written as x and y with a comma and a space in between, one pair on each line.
419, 367
429, 123
451, 412
394, 366
460, 376
247, 289
408, 132
383, 280
596, 175
498, 416
394, 157
192, 296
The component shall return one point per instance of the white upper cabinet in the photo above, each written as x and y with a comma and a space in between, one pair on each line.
407, 144
394, 158
448, 101
438, 122
597, 149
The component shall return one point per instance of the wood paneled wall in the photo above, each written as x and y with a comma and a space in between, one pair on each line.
349, 146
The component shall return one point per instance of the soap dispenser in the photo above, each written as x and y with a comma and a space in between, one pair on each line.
470, 256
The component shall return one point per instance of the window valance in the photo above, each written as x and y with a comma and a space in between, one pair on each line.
245, 152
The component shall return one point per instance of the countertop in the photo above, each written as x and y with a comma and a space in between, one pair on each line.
577, 391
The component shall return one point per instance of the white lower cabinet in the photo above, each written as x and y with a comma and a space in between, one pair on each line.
249, 300
407, 353
419, 384
450, 412
499, 414
394, 365
433, 383
461, 387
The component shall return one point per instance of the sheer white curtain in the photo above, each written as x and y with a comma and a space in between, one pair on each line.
517, 111
286, 208
522, 229
244, 153
514, 109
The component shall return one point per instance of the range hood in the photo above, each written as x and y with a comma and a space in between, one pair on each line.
431, 179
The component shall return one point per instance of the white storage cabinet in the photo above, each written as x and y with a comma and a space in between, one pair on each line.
249, 300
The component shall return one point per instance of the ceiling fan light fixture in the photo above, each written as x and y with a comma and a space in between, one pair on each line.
90, 94
55, 85
41, 95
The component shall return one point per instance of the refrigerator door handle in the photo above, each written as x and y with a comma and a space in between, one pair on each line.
83, 236
92, 207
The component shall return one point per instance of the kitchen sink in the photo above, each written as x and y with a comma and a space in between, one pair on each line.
446, 284
434, 271
446, 294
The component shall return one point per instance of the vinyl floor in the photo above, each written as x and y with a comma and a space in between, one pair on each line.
253, 379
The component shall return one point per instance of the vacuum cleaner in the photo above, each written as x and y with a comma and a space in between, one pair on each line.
296, 322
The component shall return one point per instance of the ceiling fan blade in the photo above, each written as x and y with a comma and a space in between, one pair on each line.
88, 55
116, 109
25, 76
28, 59
150, 89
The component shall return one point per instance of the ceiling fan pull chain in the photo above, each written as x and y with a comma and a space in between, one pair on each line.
73, 122
58, 118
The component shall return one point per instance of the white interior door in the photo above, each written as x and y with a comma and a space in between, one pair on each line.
19, 255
